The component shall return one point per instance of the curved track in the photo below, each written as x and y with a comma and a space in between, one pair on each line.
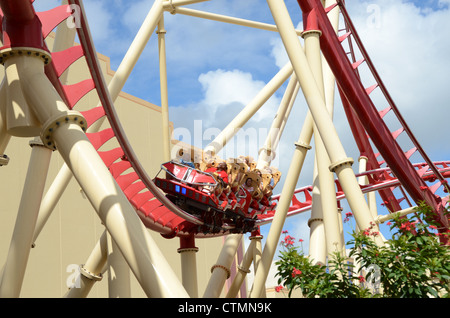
161, 215
364, 117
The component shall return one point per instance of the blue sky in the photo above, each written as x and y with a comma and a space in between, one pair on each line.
214, 68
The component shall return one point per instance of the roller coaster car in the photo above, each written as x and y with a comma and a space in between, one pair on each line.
203, 194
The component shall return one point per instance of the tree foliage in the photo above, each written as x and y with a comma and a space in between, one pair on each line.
412, 264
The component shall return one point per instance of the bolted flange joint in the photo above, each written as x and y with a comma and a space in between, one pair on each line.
309, 32
301, 144
244, 270
6, 53
53, 123
340, 163
4, 159
311, 220
89, 275
227, 270
269, 152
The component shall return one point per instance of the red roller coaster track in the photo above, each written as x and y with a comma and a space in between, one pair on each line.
23, 27
364, 114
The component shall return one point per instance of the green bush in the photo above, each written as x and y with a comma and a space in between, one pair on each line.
413, 263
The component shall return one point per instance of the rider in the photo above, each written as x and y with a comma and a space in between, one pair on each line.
227, 195
222, 172
248, 185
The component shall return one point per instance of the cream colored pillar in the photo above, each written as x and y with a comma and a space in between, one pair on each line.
51, 198
257, 254
320, 195
302, 146
363, 180
286, 116
239, 121
340, 163
62, 129
163, 87
324, 179
221, 270
4, 136
136, 48
170, 4
22, 238
63, 38
188, 252
119, 284
91, 272
315, 223
317, 246
268, 152
390, 216
243, 270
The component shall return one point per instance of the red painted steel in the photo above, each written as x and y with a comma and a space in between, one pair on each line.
368, 115
21, 27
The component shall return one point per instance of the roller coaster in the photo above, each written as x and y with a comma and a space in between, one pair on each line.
187, 201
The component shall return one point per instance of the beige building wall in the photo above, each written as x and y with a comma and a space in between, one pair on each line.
74, 228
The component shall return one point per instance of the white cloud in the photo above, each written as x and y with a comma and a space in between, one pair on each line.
100, 20
225, 87
408, 47
225, 94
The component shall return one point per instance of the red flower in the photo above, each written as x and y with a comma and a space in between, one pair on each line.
361, 279
288, 241
278, 288
296, 272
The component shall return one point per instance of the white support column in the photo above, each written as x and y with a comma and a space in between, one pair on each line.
268, 152
288, 112
221, 270
320, 195
302, 146
257, 254
243, 270
363, 180
63, 129
340, 163
119, 284
91, 271
51, 198
4, 135
324, 180
239, 121
118, 81
22, 238
188, 252
317, 245
136, 48
64, 39
163, 87
222, 18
